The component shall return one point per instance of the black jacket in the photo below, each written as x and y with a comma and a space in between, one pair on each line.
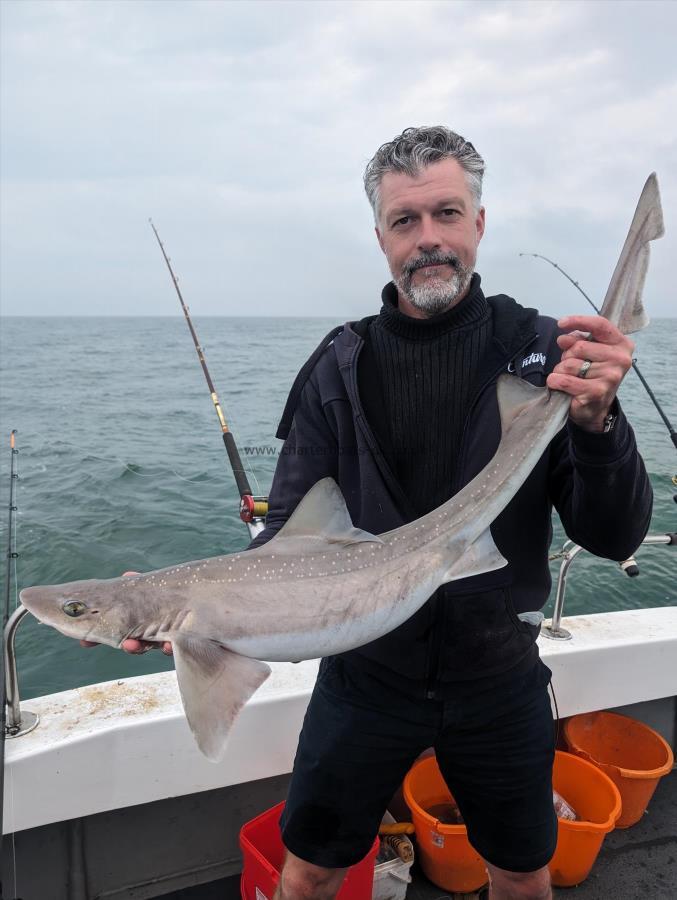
469, 629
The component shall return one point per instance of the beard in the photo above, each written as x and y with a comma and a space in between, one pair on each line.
436, 294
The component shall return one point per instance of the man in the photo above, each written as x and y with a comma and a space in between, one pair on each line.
400, 409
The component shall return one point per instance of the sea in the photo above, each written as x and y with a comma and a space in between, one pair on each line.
122, 467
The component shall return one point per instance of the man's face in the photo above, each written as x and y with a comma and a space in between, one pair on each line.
429, 230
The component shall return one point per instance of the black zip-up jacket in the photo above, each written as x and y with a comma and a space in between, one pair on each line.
469, 629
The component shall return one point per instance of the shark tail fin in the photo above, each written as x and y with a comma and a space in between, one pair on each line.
623, 302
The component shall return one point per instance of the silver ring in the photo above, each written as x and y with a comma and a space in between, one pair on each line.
585, 368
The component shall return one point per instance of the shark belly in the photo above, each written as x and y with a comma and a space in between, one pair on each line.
322, 622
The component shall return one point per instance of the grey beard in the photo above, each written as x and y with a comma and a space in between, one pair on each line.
436, 294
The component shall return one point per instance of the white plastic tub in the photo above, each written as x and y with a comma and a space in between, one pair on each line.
392, 878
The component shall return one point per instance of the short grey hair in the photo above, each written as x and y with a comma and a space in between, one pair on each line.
416, 148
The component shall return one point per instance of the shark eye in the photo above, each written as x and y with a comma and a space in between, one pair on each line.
74, 608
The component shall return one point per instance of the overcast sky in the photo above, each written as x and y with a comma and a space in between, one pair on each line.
243, 129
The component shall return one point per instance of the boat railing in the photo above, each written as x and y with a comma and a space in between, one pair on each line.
18, 721
21, 721
568, 554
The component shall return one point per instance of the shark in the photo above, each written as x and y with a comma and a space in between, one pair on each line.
321, 586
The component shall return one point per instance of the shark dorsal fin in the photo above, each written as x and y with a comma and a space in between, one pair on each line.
321, 518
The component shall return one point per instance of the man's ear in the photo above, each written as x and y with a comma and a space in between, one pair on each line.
480, 222
379, 238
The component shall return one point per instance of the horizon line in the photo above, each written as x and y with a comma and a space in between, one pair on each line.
201, 315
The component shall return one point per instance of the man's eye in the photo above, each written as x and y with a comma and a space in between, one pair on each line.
403, 221
449, 213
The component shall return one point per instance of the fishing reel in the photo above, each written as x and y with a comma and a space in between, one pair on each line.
252, 508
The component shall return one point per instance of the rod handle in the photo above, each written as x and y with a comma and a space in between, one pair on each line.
239, 473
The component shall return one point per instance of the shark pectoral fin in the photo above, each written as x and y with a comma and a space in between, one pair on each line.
215, 684
523, 406
320, 519
481, 556
514, 395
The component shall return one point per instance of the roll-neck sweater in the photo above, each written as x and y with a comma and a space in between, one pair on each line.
415, 378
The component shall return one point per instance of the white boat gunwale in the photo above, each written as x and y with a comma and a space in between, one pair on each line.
126, 742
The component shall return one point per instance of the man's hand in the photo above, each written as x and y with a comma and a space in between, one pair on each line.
592, 387
131, 645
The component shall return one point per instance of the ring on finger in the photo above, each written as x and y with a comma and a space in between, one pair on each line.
585, 368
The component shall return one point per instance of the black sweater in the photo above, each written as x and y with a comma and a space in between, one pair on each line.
415, 379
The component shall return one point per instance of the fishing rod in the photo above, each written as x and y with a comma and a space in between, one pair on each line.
11, 554
252, 509
671, 430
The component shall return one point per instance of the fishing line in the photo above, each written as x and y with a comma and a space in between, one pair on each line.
247, 461
645, 384
11, 803
160, 473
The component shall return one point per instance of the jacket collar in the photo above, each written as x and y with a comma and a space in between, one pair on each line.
513, 326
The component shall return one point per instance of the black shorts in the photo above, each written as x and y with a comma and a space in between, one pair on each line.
495, 749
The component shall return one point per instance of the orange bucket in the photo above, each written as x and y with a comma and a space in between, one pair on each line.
444, 851
597, 803
633, 755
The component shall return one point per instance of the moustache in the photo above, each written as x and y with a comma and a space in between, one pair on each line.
433, 259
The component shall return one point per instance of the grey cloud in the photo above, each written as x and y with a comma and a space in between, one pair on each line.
243, 130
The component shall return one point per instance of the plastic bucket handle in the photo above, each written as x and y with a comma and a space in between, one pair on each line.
636, 774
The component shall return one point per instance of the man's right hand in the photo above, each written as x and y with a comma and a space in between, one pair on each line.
132, 645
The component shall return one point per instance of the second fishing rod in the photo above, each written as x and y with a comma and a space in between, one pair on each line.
253, 509
661, 413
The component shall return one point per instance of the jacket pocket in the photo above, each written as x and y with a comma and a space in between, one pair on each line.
482, 634
526, 622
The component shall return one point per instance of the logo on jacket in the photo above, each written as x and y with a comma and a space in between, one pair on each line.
532, 359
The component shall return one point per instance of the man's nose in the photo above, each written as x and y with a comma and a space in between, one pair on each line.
428, 236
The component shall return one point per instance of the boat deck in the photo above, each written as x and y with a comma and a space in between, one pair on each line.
637, 862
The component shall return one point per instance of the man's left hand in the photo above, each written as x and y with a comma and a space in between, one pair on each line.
610, 355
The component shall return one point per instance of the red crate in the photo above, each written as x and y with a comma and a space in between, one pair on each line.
263, 853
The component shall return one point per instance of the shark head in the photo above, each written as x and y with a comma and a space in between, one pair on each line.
88, 610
